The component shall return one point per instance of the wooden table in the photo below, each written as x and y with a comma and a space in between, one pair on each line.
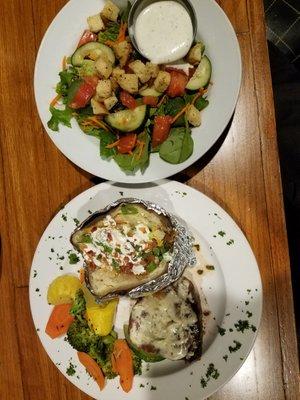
36, 179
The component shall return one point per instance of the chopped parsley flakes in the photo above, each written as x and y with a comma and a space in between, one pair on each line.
71, 370
236, 347
73, 258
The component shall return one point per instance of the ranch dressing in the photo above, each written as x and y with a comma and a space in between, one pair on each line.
164, 32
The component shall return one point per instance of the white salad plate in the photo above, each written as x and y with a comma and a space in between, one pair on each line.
60, 40
226, 276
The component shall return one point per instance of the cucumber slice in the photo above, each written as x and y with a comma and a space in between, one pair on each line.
127, 120
148, 357
201, 76
92, 50
150, 92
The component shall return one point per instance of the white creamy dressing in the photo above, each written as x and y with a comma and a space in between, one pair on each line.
164, 32
165, 322
111, 245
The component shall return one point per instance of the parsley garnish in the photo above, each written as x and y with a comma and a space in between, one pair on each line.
235, 348
71, 369
73, 258
85, 238
221, 331
151, 266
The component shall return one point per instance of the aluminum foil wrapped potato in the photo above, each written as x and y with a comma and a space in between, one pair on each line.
132, 247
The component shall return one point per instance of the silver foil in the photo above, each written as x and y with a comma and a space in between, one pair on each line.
182, 255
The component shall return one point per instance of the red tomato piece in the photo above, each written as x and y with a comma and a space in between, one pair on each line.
127, 100
83, 95
162, 125
127, 143
178, 83
87, 37
150, 100
91, 80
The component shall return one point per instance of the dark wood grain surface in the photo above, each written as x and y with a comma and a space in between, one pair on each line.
243, 176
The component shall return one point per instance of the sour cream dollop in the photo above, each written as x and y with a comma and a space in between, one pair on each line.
164, 32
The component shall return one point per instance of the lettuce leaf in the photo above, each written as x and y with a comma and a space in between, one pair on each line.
59, 117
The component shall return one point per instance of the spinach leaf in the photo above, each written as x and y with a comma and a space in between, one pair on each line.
136, 160
178, 147
110, 33
125, 12
173, 106
59, 117
128, 209
105, 139
200, 103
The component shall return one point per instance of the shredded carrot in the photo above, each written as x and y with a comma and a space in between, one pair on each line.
114, 144
122, 33
201, 91
161, 100
180, 113
92, 368
94, 121
55, 100
64, 63
110, 43
141, 144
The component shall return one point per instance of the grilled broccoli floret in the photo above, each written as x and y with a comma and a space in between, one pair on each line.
79, 306
137, 364
80, 336
101, 351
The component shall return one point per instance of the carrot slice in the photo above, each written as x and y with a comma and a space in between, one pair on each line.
92, 368
123, 364
59, 320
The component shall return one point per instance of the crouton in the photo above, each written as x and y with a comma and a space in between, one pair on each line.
114, 83
103, 67
98, 108
103, 89
117, 72
195, 54
139, 68
193, 115
162, 81
153, 69
95, 23
129, 82
110, 11
110, 102
122, 51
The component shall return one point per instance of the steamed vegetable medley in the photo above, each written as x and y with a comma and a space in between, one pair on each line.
89, 330
134, 107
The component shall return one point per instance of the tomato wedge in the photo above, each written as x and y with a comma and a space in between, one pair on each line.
178, 83
91, 80
162, 125
126, 143
150, 100
87, 37
82, 96
127, 100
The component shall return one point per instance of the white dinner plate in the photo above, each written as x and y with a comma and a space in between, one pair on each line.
226, 276
61, 38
